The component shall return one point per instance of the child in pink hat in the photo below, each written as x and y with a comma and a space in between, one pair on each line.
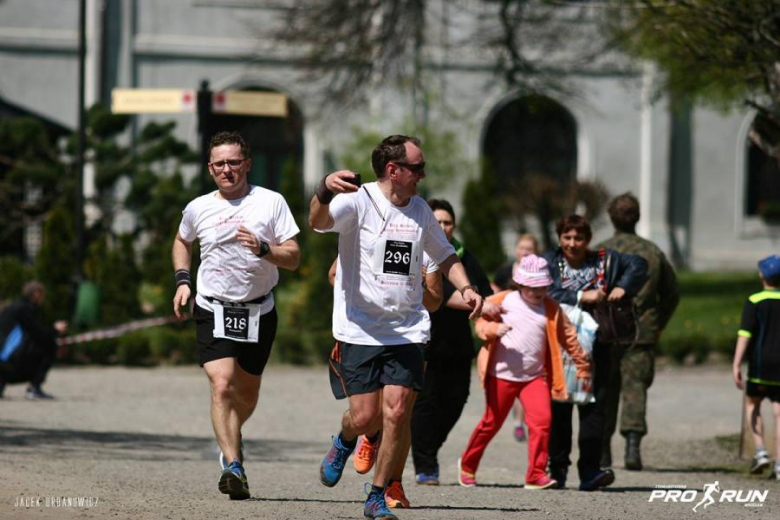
524, 360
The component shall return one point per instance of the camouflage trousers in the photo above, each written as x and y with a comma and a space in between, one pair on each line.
631, 373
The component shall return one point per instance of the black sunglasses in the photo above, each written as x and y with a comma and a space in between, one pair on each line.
416, 168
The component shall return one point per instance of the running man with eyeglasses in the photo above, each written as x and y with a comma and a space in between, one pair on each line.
379, 321
246, 233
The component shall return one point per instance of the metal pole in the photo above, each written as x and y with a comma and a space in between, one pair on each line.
205, 129
78, 254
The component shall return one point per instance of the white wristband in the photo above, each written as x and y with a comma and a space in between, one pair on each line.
579, 297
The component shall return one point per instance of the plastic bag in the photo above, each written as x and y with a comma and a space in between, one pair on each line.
584, 323
586, 334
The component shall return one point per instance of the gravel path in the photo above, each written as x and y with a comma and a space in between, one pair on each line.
137, 443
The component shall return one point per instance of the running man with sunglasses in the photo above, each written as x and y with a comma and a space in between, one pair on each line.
379, 321
246, 233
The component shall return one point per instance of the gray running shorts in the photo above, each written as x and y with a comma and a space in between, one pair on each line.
361, 369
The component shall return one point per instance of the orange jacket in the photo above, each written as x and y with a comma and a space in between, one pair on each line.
560, 333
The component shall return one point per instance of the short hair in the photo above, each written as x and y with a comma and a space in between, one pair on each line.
577, 223
235, 138
530, 237
772, 281
32, 287
624, 212
435, 204
391, 149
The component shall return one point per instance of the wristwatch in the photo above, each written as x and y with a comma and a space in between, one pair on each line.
264, 249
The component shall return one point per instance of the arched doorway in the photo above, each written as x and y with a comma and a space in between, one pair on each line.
530, 147
531, 134
762, 187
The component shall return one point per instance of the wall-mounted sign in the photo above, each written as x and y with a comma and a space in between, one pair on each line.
240, 102
149, 100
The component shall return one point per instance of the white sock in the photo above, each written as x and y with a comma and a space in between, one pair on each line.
761, 451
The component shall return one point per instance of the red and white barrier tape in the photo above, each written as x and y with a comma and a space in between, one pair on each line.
115, 332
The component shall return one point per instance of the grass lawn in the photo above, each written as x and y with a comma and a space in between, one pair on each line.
708, 316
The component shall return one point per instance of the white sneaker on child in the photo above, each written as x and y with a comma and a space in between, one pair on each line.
760, 462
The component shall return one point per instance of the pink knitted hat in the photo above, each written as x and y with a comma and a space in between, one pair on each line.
533, 272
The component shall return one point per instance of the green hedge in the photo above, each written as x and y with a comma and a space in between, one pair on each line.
707, 319
705, 323
166, 345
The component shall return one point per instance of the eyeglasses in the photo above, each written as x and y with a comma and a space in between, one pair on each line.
416, 168
220, 165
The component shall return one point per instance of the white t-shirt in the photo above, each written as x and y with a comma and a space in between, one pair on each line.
520, 353
229, 271
430, 265
378, 290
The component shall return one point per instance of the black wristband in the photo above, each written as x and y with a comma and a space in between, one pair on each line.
264, 249
182, 276
324, 195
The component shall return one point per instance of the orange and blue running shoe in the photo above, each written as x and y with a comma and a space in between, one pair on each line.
376, 507
366, 454
332, 465
395, 498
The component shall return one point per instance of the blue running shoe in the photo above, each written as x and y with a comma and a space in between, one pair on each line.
233, 482
333, 464
376, 507
598, 480
223, 462
428, 479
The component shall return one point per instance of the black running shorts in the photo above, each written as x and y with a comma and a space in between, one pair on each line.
771, 392
361, 369
252, 357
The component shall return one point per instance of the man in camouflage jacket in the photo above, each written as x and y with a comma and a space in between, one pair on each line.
633, 365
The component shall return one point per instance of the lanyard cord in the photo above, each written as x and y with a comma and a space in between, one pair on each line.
376, 206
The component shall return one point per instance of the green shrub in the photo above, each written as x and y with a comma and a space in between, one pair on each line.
480, 222
163, 341
708, 316
133, 349
13, 275
99, 352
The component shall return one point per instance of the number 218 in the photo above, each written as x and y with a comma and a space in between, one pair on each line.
235, 323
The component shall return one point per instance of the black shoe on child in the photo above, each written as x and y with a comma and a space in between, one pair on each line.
600, 479
34, 393
559, 475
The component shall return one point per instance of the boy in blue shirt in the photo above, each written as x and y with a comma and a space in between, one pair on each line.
759, 340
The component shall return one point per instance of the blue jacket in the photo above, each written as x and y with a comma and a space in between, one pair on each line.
623, 270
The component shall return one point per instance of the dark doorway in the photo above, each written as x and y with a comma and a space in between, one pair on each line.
276, 143
762, 181
531, 135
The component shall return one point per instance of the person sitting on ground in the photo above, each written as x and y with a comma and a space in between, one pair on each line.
524, 361
759, 340
28, 346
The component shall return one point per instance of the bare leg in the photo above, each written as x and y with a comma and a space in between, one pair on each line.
753, 411
396, 410
363, 416
405, 444
234, 395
